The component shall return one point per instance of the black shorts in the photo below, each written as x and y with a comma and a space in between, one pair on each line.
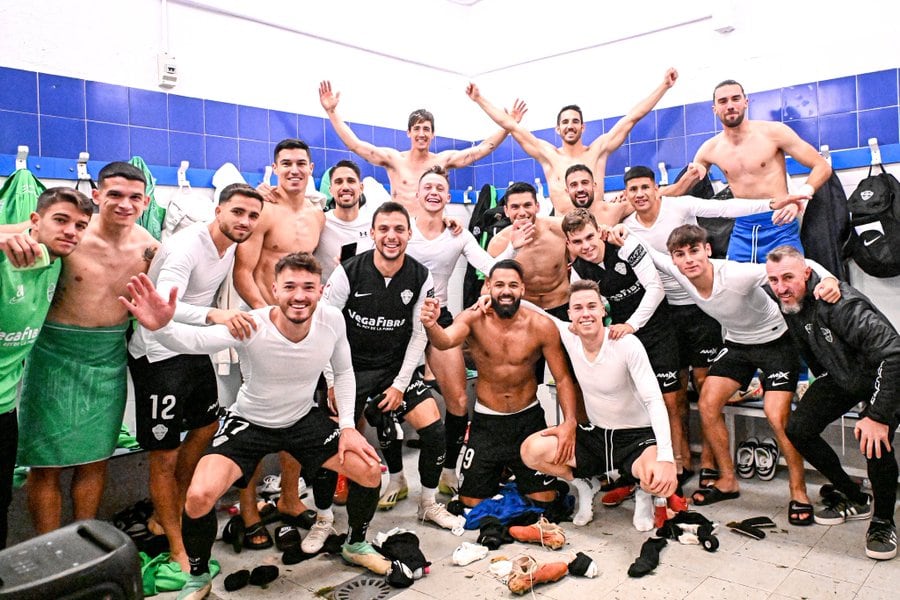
445, 319
778, 360
312, 440
595, 446
171, 396
699, 336
494, 443
662, 350
372, 383
562, 313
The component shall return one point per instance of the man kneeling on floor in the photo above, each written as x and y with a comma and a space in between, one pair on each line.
628, 424
854, 351
292, 344
505, 343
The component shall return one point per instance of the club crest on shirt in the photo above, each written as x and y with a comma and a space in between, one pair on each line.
51, 289
620, 268
406, 296
159, 431
827, 333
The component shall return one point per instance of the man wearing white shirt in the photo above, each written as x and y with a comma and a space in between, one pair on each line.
628, 426
290, 346
178, 391
347, 225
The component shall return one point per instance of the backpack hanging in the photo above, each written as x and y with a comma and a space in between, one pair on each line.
874, 241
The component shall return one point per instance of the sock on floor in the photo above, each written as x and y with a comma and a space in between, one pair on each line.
649, 558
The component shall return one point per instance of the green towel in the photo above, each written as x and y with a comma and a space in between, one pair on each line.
126, 440
158, 574
153, 216
19, 196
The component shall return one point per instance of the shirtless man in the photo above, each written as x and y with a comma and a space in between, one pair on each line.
546, 276
406, 167
291, 225
506, 343
74, 390
751, 155
570, 127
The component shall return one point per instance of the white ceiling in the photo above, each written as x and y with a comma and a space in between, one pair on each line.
468, 37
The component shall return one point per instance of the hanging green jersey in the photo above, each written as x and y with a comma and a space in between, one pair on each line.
24, 302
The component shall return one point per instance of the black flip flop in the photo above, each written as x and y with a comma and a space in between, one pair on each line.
233, 533
744, 529
305, 520
287, 537
711, 495
707, 475
761, 522
795, 509
256, 530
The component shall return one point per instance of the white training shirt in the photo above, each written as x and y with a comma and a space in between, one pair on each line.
338, 233
440, 255
189, 261
684, 210
280, 376
619, 387
647, 275
336, 293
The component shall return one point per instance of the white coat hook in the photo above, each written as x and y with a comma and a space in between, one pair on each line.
876, 151
663, 174
267, 176
81, 170
510, 183
466, 199
21, 157
183, 182
539, 185
825, 151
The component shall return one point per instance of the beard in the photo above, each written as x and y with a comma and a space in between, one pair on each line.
505, 311
583, 203
737, 121
791, 309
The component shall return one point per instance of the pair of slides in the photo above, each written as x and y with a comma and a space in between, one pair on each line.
752, 527
759, 458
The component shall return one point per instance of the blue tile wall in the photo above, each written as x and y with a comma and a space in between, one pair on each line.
60, 116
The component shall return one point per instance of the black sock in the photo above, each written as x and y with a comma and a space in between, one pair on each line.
361, 505
198, 536
883, 473
393, 456
455, 431
323, 485
649, 558
431, 455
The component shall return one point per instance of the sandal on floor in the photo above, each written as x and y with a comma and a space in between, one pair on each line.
306, 519
287, 537
766, 459
711, 495
257, 530
795, 509
745, 458
233, 533
708, 476
685, 476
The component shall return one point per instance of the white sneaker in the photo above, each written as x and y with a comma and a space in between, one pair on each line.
317, 535
467, 553
644, 514
586, 490
271, 485
448, 483
396, 490
437, 514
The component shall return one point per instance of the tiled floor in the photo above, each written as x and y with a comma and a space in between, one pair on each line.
791, 562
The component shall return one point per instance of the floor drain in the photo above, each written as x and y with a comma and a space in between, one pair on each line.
364, 587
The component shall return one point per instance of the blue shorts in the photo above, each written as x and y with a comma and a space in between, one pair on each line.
754, 236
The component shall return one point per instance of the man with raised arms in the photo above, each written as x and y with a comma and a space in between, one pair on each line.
347, 224
628, 428
755, 337
74, 389
292, 343
751, 154
380, 293
292, 224
433, 245
178, 391
405, 167
698, 336
570, 127
506, 343
58, 222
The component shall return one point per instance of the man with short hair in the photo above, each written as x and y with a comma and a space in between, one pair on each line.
570, 127
27, 281
698, 336
347, 225
755, 337
380, 293
405, 167
290, 346
854, 351
506, 343
751, 154
628, 428
292, 224
178, 391
75, 384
